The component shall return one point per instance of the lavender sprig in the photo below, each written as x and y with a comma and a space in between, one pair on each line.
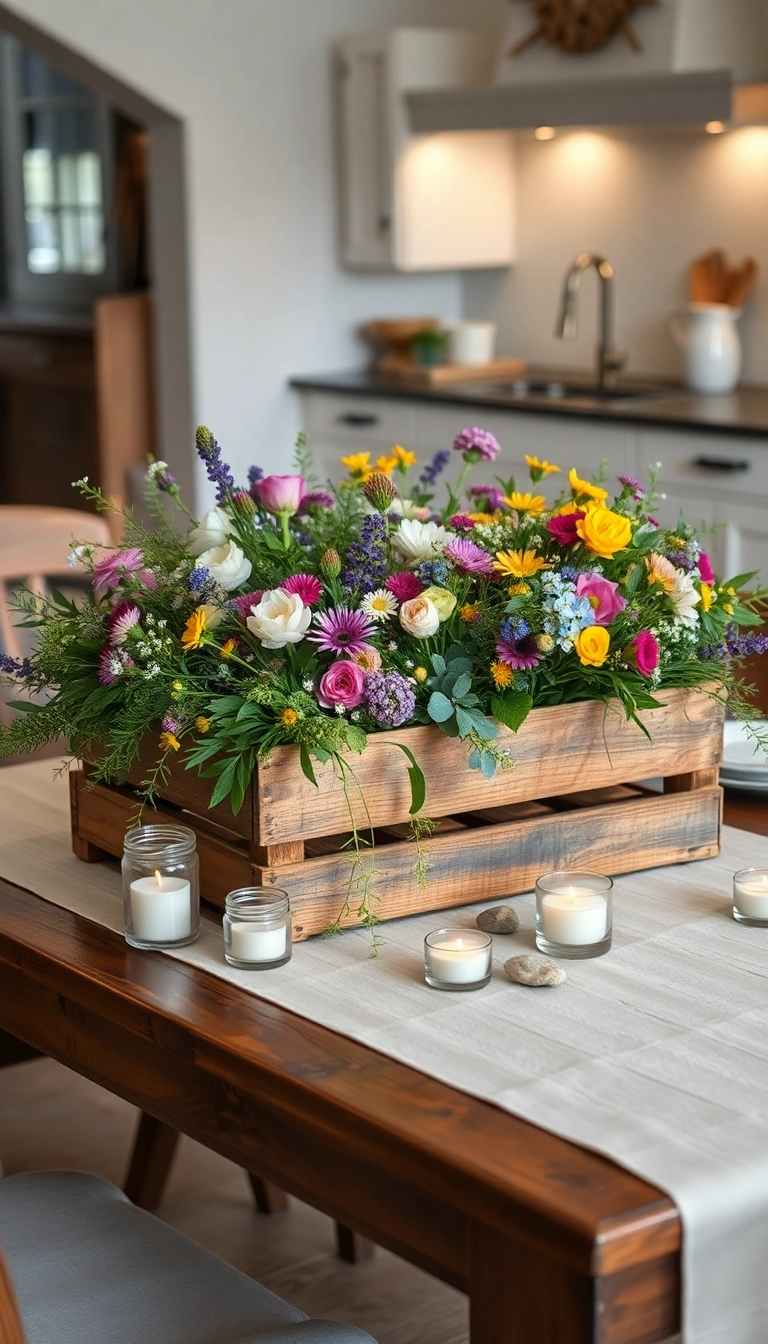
217, 471
366, 566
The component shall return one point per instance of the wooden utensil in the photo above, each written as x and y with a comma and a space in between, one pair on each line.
699, 281
741, 282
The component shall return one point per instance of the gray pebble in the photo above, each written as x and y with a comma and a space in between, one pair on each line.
499, 919
533, 970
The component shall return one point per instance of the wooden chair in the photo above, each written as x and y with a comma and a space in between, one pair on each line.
82, 1263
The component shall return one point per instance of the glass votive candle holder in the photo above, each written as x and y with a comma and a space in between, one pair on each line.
457, 959
257, 928
574, 914
161, 887
750, 896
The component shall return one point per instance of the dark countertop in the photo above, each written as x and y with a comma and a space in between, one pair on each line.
743, 412
43, 322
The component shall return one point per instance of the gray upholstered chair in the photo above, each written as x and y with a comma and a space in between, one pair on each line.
87, 1267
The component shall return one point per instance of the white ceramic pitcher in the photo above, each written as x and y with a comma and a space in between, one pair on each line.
707, 334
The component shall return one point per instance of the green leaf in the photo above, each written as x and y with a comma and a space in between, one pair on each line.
305, 762
488, 764
438, 664
457, 651
357, 739
439, 707
462, 685
474, 759
464, 720
418, 782
485, 727
512, 710
225, 782
271, 540
741, 579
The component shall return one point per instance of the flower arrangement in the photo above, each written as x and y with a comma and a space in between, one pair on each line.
296, 613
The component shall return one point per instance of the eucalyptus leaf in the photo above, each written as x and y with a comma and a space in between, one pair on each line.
462, 685
439, 707
464, 720
488, 764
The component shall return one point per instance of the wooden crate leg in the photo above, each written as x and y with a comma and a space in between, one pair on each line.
153, 1151
697, 779
351, 1246
82, 848
269, 1198
518, 1295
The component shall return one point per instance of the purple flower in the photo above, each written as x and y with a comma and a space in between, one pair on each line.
705, 568
680, 559
519, 653
316, 499
366, 566
489, 497
389, 699
169, 725
254, 474
438, 464
461, 522
340, 630
404, 586
217, 471
165, 480
631, 483
563, 527
467, 557
243, 605
653, 521
15, 667
118, 565
112, 664
477, 444
742, 646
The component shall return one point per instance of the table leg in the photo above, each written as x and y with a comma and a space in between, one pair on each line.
352, 1246
269, 1198
521, 1296
151, 1158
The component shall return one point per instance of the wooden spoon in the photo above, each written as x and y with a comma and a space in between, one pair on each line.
699, 281
741, 282
718, 275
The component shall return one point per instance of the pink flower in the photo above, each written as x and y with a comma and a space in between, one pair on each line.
112, 664
119, 565
462, 522
520, 653
477, 444
604, 597
122, 619
705, 568
316, 499
281, 494
563, 527
342, 684
244, 605
404, 586
340, 630
467, 557
306, 585
643, 653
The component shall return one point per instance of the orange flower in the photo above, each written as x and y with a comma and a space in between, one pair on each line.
289, 717
169, 742
227, 649
193, 636
469, 612
502, 674
202, 724
661, 571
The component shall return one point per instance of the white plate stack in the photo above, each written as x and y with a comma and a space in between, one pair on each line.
745, 763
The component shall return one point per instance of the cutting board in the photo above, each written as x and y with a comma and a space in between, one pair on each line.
437, 375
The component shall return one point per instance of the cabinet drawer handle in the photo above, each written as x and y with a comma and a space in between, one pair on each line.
722, 463
360, 419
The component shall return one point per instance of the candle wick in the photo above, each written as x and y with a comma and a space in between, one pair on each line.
159, 877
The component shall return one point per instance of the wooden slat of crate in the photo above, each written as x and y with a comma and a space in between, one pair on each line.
187, 789
499, 860
571, 747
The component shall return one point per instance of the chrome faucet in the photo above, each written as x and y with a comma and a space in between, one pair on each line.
609, 361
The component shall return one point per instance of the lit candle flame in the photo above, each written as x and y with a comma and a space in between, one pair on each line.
159, 877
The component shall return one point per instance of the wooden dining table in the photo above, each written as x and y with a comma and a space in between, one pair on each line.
552, 1243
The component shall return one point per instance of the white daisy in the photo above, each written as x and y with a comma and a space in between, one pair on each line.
379, 605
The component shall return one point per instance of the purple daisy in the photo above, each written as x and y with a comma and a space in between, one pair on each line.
112, 664
340, 630
467, 557
477, 444
519, 653
122, 620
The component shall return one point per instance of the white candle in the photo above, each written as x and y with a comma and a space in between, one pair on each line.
750, 894
574, 917
250, 943
160, 909
459, 958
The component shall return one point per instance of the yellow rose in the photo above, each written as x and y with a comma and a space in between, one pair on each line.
604, 532
592, 645
442, 599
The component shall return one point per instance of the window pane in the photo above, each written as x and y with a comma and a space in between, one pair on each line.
89, 179
37, 176
34, 70
64, 87
93, 259
43, 252
62, 182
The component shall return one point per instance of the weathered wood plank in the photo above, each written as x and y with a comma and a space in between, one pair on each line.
505, 859
564, 748
187, 789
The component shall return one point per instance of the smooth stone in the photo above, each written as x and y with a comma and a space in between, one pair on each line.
499, 919
531, 969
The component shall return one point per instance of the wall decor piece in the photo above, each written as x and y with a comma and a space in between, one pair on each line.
582, 25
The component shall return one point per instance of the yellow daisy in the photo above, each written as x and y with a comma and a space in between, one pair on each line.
386, 465
358, 465
227, 649
707, 596
519, 589
525, 503
502, 674
469, 612
518, 564
193, 636
169, 742
202, 724
580, 487
405, 458
481, 517
544, 468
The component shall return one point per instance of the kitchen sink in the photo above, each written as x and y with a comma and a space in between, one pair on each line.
555, 389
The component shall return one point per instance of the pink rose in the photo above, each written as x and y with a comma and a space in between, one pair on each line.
642, 652
705, 568
563, 527
342, 684
281, 494
604, 597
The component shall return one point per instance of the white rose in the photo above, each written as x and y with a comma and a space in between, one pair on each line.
213, 615
210, 531
419, 617
686, 599
227, 564
416, 541
279, 619
407, 509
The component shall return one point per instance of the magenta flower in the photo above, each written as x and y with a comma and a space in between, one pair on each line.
477, 444
461, 522
563, 527
122, 619
244, 605
404, 586
489, 497
519, 653
119, 565
642, 652
342, 684
705, 568
467, 557
316, 499
655, 523
306, 585
340, 630
281, 494
603, 595
112, 664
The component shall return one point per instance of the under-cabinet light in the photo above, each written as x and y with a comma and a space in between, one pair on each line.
545, 132
715, 127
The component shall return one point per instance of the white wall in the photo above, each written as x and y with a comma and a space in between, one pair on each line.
251, 80
650, 203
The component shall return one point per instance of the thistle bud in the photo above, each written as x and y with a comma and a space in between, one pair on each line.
243, 503
330, 564
379, 491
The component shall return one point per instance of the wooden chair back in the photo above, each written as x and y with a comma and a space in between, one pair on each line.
11, 1331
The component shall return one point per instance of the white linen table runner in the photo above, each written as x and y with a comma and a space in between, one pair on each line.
655, 1055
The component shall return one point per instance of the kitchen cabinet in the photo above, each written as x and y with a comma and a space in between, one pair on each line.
411, 202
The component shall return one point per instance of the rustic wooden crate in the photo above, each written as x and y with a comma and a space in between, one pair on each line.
570, 800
